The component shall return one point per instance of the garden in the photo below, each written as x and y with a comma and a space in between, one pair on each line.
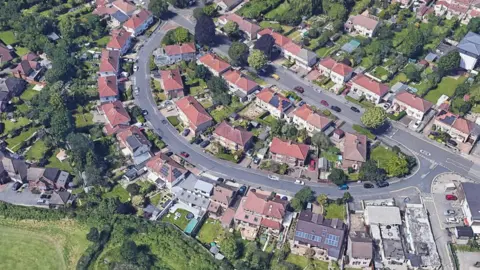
211, 231
392, 160
181, 222
446, 86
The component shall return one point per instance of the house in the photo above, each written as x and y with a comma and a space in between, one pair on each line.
30, 71
289, 153
44, 179
30, 57
250, 29
13, 86
305, 117
233, 138
463, 235
193, 192
260, 209
412, 104
139, 22
361, 25
125, 7
121, 40
315, 232
193, 115
12, 170
372, 90
164, 171
338, 72
275, 103
172, 84
215, 64
135, 144
109, 63
354, 151
220, 201
5, 55
116, 115
227, 5
469, 49
460, 129
464, 11
176, 53
107, 88
239, 84
470, 202
359, 249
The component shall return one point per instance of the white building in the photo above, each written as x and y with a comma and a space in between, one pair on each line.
371, 90
413, 105
139, 22
469, 49
361, 25
470, 202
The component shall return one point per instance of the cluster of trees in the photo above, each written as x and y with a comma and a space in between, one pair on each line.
220, 91
374, 118
280, 128
177, 36
205, 31
301, 198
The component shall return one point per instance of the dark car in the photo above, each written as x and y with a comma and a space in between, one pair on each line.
164, 121
186, 132
343, 187
383, 184
336, 108
184, 154
198, 140
355, 109
242, 190
368, 185
169, 154
452, 143
144, 112
204, 144
16, 186
301, 103
299, 89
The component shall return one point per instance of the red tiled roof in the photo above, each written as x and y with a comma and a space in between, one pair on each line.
109, 61
355, 147
414, 101
328, 63
306, 113
271, 224
267, 94
227, 217
342, 69
124, 6
236, 135
107, 86
137, 19
292, 48
214, 62
236, 77
119, 39
193, 110
171, 79
279, 39
284, 148
371, 85
180, 49
30, 56
364, 21
165, 167
258, 202
5, 54
463, 125
222, 195
115, 113
244, 25
131, 130
25, 67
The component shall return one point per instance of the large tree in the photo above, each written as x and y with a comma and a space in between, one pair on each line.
371, 172
303, 196
231, 28
257, 59
179, 3
374, 117
205, 31
397, 166
338, 176
238, 52
412, 73
321, 140
230, 247
158, 7
265, 44
448, 63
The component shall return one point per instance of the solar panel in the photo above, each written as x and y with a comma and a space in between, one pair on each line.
176, 173
164, 170
332, 240
308, 236
274, 101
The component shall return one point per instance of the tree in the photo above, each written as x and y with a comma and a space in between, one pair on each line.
374, 117
448, 63
412, 73
133, 189
210, 10
128, 250
303, 196
292, 132
179, 3
321, 140
138, 201
93, 235
198, 12
61, 124
230, 247
158, 7
347, 197
461, 106
182, 35
217, 85
231, 28
296, 204
337, 11
205, 31
370, 172
257, 59
238, 52
202, 72
474, 25
265, 44
337, 176
322, 199
397, 166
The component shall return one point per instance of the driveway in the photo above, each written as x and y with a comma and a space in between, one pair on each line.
25, 197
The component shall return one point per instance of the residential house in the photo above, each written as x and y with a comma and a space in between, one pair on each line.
338, 72
215, 64
193, 115
172, 84
107, 88
233, 138
260, 209
359, 249
5, 55
250, 29
43, 179
239, 84
193, 192
305, 117
460, 129
470, 202
176, 53
354, 151
135, 144
30, 57
165, 171
139, 22
30, 71
121, 40
117, 17
220, 201
12, 169
370, 89
275, 103
412, 104
116, 115
315, 232
469, 49
289, 153
227, 5
109, 63
361, 25
4, 99
13, 86
125, 7
463, 10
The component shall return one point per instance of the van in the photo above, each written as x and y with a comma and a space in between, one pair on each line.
450, 187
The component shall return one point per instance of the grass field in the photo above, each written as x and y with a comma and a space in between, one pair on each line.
446, 87
37, 151
303, 262
400, 77
8, 37
9, 125
334, 210
211, 230
180, 222
17, 142
83, 120
41, 245
29, 94
382, 155
119, 192
53, 162
21, 51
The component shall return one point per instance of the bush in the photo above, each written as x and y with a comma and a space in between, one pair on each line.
397, 116
327, 112
364, 131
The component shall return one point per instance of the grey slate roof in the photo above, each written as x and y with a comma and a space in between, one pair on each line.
471, 195
120, 16
470, 43
307, 55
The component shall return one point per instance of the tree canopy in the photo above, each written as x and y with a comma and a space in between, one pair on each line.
158, 7
448, 63
231, 28
265, 44
374, 117
302, 197
370, 172
257, 59
321, 140
205, 31
338, 176
238, 53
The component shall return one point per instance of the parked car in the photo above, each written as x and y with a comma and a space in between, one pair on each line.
324, 103
204, 144
198, 140
417, 124
41, 201
186, 132
301, 103
169, 154
184, 154
368, 185
450, 197
135, 68
299, 182
343, 187
256, 160
355, 109
299, 89
383, 184
273, 177
336, 108
275, 76
250, 152
137, 90
452, 220
45, 196
452, 143
449, 212
144, 112
16, 186
242, 190
312, 165
164, 121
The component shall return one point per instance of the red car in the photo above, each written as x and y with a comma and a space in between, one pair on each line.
311, 167
299, 89
450, 197
184, 154
324, 103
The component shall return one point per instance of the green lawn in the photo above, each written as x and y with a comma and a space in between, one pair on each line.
400, 77
334, 210
8, 37
53, 162
302, 262
173, 120
446, 87
23, 108
103, 41
17, 142
9, 125
366, 62
211, 230
181, 222
222, 113
155, 199
21, 51
42, 245
381, 73
83, 120
382, 155
421, 87
279, 11
29, 94
206, 103
119, 192
37, 151
274, 25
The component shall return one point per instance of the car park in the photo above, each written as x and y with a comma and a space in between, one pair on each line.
324, 103
450, 197
186, 132
382, 184
184, 154
368, 185
204, 144
299, 182
336, 108
355, 109
299, 89
273, 177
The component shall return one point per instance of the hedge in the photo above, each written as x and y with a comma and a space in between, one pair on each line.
364, 131
398, 116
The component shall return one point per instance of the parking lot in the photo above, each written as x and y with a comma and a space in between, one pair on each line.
24, 197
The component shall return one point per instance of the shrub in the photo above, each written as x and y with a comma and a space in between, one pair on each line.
364, 131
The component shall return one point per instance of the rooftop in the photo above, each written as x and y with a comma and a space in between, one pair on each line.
386, 215
470, 43
236, 135
287, 148
473, 199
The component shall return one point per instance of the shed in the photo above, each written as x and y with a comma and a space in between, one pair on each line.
431, 57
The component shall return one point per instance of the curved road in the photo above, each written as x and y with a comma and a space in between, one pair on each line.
435, 162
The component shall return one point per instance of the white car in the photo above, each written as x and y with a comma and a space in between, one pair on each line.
300, 182
135, 68
452, 220
137, 90
273, 177
417, 124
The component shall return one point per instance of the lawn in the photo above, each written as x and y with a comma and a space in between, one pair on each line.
83, 120
221, 113
400, 77
366, 62
173, 120
334, 210
302, 262
154, 200
21, 51
9, 125
446, 87
41, 245
382, 155
421, 87
181, 222
53, 162
103, 41
37, 151
206, 103
8, 37
119, 192
279, 11
17, 142
275, 25
381, 73
29, 94
211, 230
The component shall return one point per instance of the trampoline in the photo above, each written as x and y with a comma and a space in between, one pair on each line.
190, 216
